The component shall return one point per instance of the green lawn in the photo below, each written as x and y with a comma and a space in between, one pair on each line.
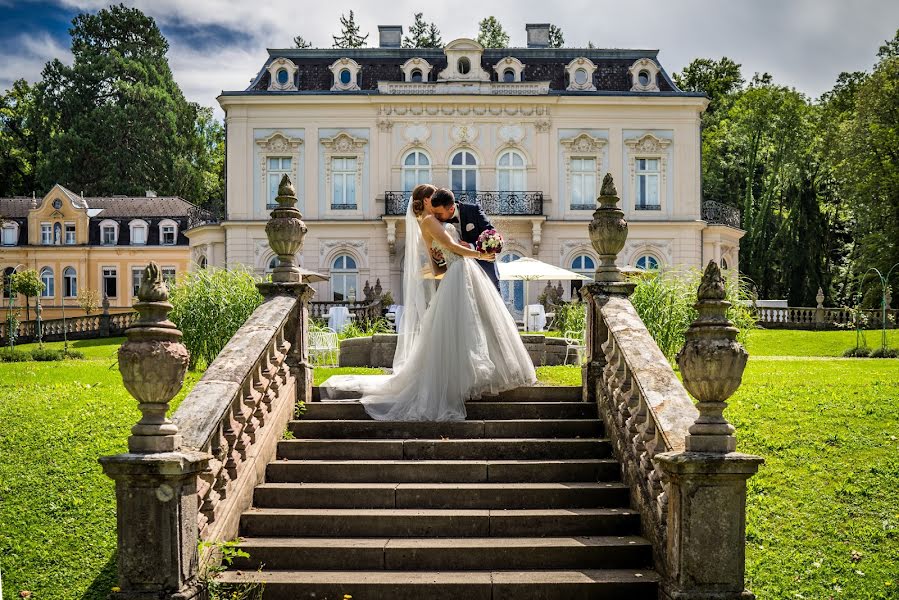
782, 342
822, 517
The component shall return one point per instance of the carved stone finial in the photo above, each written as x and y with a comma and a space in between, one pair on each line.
608, 232
608, 186
105, 304
153, 362
378, 290
286, 232
712, 363
819, 298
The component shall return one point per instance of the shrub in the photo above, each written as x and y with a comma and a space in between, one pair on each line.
664, 300
570, 316
857, 352
13, 355
46, 354
885, 353
73, 355
210, 305
365, 329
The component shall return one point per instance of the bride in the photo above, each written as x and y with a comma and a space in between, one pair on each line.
456, 342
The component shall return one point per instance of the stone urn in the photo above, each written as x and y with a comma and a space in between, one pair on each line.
286, 232
608, 231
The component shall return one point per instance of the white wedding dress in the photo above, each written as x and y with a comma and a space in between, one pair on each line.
465, 346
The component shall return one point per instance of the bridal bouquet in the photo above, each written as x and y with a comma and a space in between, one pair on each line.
490, 241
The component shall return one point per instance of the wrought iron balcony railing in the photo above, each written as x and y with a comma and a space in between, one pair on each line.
720, 214
197, 217
529, 203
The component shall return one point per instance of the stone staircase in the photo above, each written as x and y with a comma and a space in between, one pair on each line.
523, 500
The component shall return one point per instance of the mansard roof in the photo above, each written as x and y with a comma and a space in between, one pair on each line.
313, 75
112, 207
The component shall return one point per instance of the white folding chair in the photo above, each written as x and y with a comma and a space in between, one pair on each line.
575, 340
324, 349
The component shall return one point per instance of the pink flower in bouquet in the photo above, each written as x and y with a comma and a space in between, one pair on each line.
490, 241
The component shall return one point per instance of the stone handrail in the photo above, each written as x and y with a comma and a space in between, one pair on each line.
237, 412
83, 327
678, 460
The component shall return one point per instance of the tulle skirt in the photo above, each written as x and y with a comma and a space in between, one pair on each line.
468, 346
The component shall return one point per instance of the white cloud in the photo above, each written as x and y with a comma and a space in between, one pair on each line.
34, 50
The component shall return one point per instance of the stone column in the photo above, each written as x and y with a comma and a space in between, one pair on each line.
706, 484
286, 233
156, 481
819, 310
608, 232
104, 317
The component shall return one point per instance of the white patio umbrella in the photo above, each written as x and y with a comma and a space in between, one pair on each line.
530, 269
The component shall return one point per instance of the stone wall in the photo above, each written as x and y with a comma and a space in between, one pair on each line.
378, 350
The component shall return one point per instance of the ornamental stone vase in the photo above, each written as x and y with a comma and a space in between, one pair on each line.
286, 232
608, 231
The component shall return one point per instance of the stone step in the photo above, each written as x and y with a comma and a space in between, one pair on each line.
442, 471
441, 495
445, 554
568, 393
403, 522
349, 410
512, 428
586, 584
457, 449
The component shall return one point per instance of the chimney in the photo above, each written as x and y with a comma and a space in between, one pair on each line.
391, 35
538, 35
151, 194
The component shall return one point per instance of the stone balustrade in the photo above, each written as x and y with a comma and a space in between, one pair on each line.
807, 317
75, 328
678, 460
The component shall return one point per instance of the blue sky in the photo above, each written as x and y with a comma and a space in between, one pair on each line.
220, 44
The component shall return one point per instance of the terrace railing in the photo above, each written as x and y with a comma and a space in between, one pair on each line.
716, 213
506, 203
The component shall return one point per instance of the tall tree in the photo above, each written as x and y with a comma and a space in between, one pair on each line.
349, 35
556, 38
300, 42
422, 34
717, 78
122, 124
491, 34
22, 126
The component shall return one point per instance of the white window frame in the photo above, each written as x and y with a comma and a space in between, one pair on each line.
137, 274
169, 274
134, 226
651, 69
581, 63
66, 276
65, 232
340, 276
648, 256
416, 64
509, 63
580, 147
48, 278
512, 171
344, 191
343, 145
273, 177
10, 232
339, 66
105, 272
463, 169
420, 173
643, 178
278, 145
647, 146
163, 225
277, 65
46, 234
115, 227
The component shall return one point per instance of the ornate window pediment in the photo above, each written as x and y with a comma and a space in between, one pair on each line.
644, 76
278, 142
583, 142
346, 74
509, 70
344, 142
463, 62
416, 70
283, 75
580, 75
647, 144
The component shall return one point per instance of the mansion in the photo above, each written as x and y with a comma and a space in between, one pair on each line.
527, 133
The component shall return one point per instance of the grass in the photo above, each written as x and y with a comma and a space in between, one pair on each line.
57, 508
92, 349
782, 342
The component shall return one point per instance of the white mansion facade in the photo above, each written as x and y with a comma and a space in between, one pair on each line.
528, 133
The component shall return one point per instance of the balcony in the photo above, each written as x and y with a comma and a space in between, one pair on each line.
715, 213
525, 204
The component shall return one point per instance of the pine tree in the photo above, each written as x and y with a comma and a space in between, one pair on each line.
491, 34
422, 34
349, 36
591, 45
300, 42
556, 39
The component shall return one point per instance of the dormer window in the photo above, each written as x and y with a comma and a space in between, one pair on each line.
109, 233
10, 234
580, 75
508, 75
464, 65
139, 231
509, 70
168, 232
283, 73
346, 75
416, 70
463, 62
644, 76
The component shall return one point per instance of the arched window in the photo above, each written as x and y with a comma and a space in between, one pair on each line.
508, 75
724, 263
416, 76
202, 263
69, 282
512, 291
49, 282
647, 262
464, 172
7, 282
139, 230
344, 278
168, 232
582, 265
510, 172
109, 233
416, 169
272, 263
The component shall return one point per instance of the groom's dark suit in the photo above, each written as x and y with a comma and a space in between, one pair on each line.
473, 222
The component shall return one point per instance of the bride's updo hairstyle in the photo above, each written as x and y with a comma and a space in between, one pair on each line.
419, 193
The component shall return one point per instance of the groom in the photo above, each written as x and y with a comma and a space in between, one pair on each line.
469, 220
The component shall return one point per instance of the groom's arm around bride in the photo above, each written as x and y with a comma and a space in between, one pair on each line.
473, 223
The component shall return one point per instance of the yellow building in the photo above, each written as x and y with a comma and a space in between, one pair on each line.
77, 243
